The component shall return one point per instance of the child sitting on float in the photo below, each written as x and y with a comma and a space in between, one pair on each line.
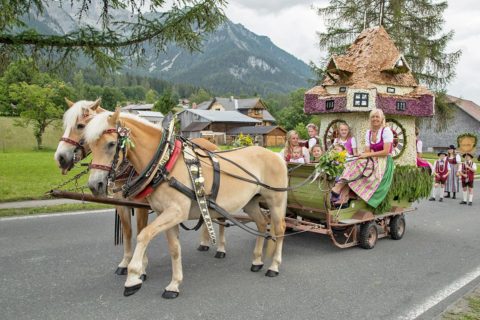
346, 139
312, 141
292, 140
316, 153
297, 155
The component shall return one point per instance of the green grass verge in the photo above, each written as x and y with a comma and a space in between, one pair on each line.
52, 209
472, 312
28, 175
13, 138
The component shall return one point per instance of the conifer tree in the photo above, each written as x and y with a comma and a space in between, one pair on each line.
108, 43
414, 25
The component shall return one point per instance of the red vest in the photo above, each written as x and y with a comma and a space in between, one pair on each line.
470, 174
441, 169
452, 160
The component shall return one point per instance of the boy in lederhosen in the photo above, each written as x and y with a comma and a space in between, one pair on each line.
467, 173
441, 171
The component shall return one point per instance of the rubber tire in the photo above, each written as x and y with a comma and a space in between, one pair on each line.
367, 230
397, 227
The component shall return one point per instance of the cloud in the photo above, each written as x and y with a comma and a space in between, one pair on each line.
293, 29
274, 6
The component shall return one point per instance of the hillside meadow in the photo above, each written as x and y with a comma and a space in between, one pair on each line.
13, 138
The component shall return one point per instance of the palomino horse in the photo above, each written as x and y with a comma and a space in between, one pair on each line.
72, 149
173, 207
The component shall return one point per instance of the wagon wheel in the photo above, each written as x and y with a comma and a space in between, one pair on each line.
368, 235
399, 135
397, 227
331, 133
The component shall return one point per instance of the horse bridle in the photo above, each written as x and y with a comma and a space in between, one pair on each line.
78, 146
111, 169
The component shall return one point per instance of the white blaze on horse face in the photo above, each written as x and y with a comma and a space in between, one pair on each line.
98, 181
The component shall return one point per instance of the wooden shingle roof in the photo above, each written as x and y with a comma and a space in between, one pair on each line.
373, 58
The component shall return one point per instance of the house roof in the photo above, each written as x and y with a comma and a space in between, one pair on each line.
223, 116
196, 126
253, 130
230, 104
267, 116
153, 116
468, 106
137, 107
150, 114
371, 59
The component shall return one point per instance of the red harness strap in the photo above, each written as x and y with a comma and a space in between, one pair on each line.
168, 167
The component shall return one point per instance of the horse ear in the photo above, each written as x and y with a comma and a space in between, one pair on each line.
113, 119
96, 104
166, 120
69, 103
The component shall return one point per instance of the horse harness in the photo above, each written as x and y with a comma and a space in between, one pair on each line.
159, 168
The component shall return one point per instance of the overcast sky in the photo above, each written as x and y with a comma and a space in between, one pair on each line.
292, 25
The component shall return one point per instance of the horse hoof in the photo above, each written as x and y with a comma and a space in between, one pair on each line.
131, 290
220, 255
256, 267
121, 271
143, 277
271, 273
169, 294
203, 248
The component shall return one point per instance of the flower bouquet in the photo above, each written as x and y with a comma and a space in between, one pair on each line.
331, 163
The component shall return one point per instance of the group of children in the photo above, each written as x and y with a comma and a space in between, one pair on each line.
344, 141
449, 170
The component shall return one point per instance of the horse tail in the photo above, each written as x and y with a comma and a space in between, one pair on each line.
271, 243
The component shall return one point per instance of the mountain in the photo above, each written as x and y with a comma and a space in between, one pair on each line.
233, 59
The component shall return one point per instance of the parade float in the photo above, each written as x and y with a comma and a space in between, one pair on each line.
372, 74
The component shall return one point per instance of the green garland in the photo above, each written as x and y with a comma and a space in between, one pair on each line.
409, 182
469, 135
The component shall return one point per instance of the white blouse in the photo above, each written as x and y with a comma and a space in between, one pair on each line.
387, 136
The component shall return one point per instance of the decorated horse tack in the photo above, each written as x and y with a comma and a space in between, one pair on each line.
176, 202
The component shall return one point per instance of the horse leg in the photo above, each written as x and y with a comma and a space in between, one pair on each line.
253, 210
169, 218
221, 242
277, 207
172, 290
142, 220
125, 218
204, 239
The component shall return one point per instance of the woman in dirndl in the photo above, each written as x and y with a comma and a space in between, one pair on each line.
370, 176
453, 181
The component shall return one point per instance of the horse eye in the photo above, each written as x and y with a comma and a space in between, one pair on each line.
111, 145
80, 126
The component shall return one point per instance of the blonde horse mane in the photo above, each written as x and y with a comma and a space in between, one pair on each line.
76, 110
99, 124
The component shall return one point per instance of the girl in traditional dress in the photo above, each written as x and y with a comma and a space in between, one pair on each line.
312, 130
293, 141
467, 172
346, 139
422, 163
441, 171
452, 184
372, 188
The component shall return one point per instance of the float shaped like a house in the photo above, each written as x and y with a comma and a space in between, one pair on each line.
372, 74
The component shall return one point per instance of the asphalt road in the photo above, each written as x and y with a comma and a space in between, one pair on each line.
62, 267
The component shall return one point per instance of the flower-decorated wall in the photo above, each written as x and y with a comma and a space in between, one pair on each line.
423, 106
315, 104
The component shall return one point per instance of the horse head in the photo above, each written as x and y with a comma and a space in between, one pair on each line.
71, 147
102, 137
